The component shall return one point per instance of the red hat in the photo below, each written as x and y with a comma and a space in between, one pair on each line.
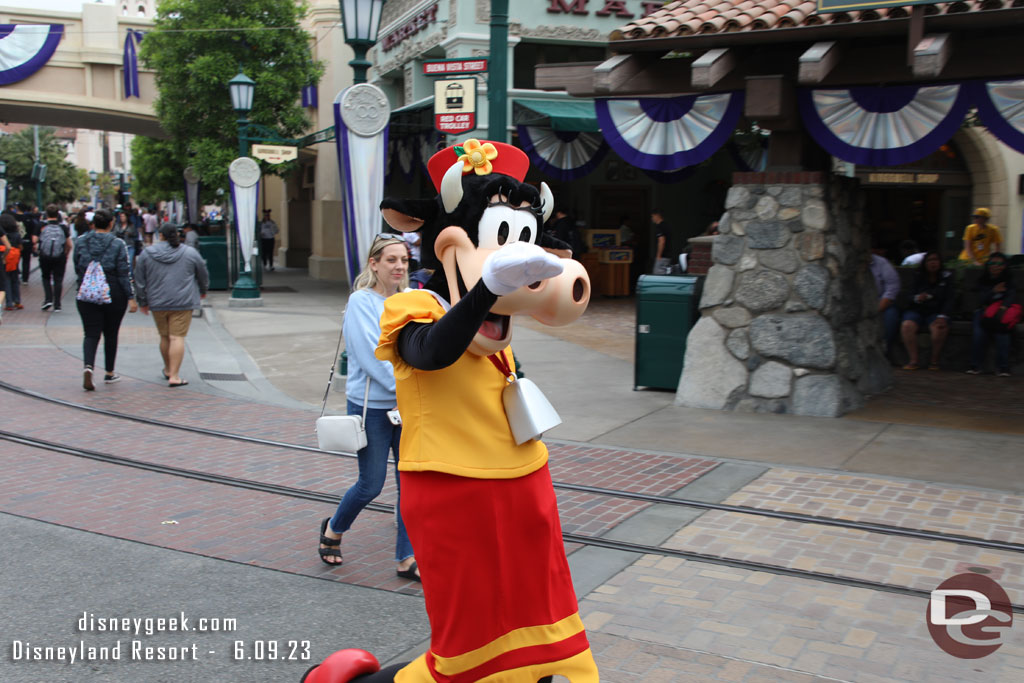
481, 157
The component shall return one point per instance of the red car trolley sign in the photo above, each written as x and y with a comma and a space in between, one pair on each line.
455, 105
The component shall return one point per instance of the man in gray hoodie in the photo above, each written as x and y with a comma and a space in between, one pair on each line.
170, 279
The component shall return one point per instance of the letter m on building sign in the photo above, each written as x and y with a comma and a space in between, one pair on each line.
564, 7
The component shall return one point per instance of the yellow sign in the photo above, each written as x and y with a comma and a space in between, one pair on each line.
274, 154
915, 178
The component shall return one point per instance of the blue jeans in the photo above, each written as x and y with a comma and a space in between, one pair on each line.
890, 326
381, 437
12, 287
979, 345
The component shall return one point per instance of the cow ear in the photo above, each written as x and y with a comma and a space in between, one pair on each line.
408, 215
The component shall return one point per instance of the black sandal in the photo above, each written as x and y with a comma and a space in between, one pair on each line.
409, 573
332, 543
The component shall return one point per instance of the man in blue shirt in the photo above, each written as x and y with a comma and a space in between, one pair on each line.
887, 281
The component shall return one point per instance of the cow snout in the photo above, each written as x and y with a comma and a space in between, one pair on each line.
556, 301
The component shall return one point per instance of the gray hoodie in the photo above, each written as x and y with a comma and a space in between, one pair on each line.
170, 278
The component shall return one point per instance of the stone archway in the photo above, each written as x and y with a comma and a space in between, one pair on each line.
982, 155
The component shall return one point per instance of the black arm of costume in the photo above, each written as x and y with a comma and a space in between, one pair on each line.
432, 346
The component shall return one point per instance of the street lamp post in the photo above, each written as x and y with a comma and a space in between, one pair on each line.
93, 175
361, 21
242, 89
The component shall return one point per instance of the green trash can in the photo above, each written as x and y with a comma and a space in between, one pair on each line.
666, 311
214, 250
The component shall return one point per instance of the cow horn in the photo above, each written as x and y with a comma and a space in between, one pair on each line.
451, 187
547, 201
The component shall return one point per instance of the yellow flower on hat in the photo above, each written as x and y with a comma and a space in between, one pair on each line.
477, 157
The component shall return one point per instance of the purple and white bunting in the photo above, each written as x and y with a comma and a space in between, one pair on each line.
25, 48
667, 134
883, 126
130, 64
560, 154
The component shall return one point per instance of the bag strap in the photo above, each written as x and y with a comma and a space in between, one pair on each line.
330, 379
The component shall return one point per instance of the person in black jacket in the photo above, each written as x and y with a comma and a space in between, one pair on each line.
103, 319
930, 304
995, 285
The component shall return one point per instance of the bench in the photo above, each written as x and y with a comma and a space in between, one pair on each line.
957, 352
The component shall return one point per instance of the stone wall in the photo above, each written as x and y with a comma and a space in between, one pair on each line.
789, 312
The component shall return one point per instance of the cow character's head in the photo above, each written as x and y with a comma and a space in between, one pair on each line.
483, 205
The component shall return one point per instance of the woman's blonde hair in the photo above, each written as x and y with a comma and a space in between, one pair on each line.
368, 278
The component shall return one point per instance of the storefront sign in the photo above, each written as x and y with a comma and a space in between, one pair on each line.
455, 66
906, 178
610, 8
409, 28
862, 5
455, 105
274, 154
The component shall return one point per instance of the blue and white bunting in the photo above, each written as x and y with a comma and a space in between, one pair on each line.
883, 126
310, 96
667, 134
25, 48
1001, 108
562, 155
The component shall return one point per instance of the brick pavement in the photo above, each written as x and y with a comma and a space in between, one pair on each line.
670, 620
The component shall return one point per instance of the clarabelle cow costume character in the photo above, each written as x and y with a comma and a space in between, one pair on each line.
477, 500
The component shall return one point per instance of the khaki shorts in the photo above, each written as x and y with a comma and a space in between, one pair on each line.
172, 323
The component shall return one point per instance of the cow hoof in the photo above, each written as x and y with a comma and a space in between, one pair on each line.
342, 667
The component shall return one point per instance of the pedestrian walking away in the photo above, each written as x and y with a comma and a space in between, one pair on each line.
29, 238
102, 319
54, 247
268, 233
386, 273
170, 280
11, 262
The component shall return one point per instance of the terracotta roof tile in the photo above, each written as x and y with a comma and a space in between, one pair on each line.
688, 17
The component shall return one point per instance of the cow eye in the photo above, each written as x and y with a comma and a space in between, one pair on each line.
495, 227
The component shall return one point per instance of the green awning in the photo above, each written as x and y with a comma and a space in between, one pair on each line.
577, 116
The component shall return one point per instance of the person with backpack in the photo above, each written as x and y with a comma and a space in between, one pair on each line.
54, 247
10, 262
104, 292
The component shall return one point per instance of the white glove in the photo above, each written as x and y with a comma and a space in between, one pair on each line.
517, 265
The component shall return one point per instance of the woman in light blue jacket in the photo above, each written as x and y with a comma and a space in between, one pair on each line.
386, 273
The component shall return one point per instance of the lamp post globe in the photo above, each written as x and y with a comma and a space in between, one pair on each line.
361, 22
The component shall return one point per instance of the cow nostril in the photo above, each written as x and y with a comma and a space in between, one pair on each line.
578, 289
535, 285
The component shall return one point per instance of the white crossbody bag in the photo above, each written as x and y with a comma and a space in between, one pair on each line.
345, 433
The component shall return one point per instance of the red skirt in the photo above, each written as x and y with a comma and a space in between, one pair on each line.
498, 591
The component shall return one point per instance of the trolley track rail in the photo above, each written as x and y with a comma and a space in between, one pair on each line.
870, 527
582, 539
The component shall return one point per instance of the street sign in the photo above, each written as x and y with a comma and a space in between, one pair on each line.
455, 105
274, 154
861, 5
446, 67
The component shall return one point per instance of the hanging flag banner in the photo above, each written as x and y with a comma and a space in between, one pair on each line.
455, 105
310, 96
361, 115
130, 64
245, 190
670, 133
191, 195
25, 48
560, 154
883, 126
